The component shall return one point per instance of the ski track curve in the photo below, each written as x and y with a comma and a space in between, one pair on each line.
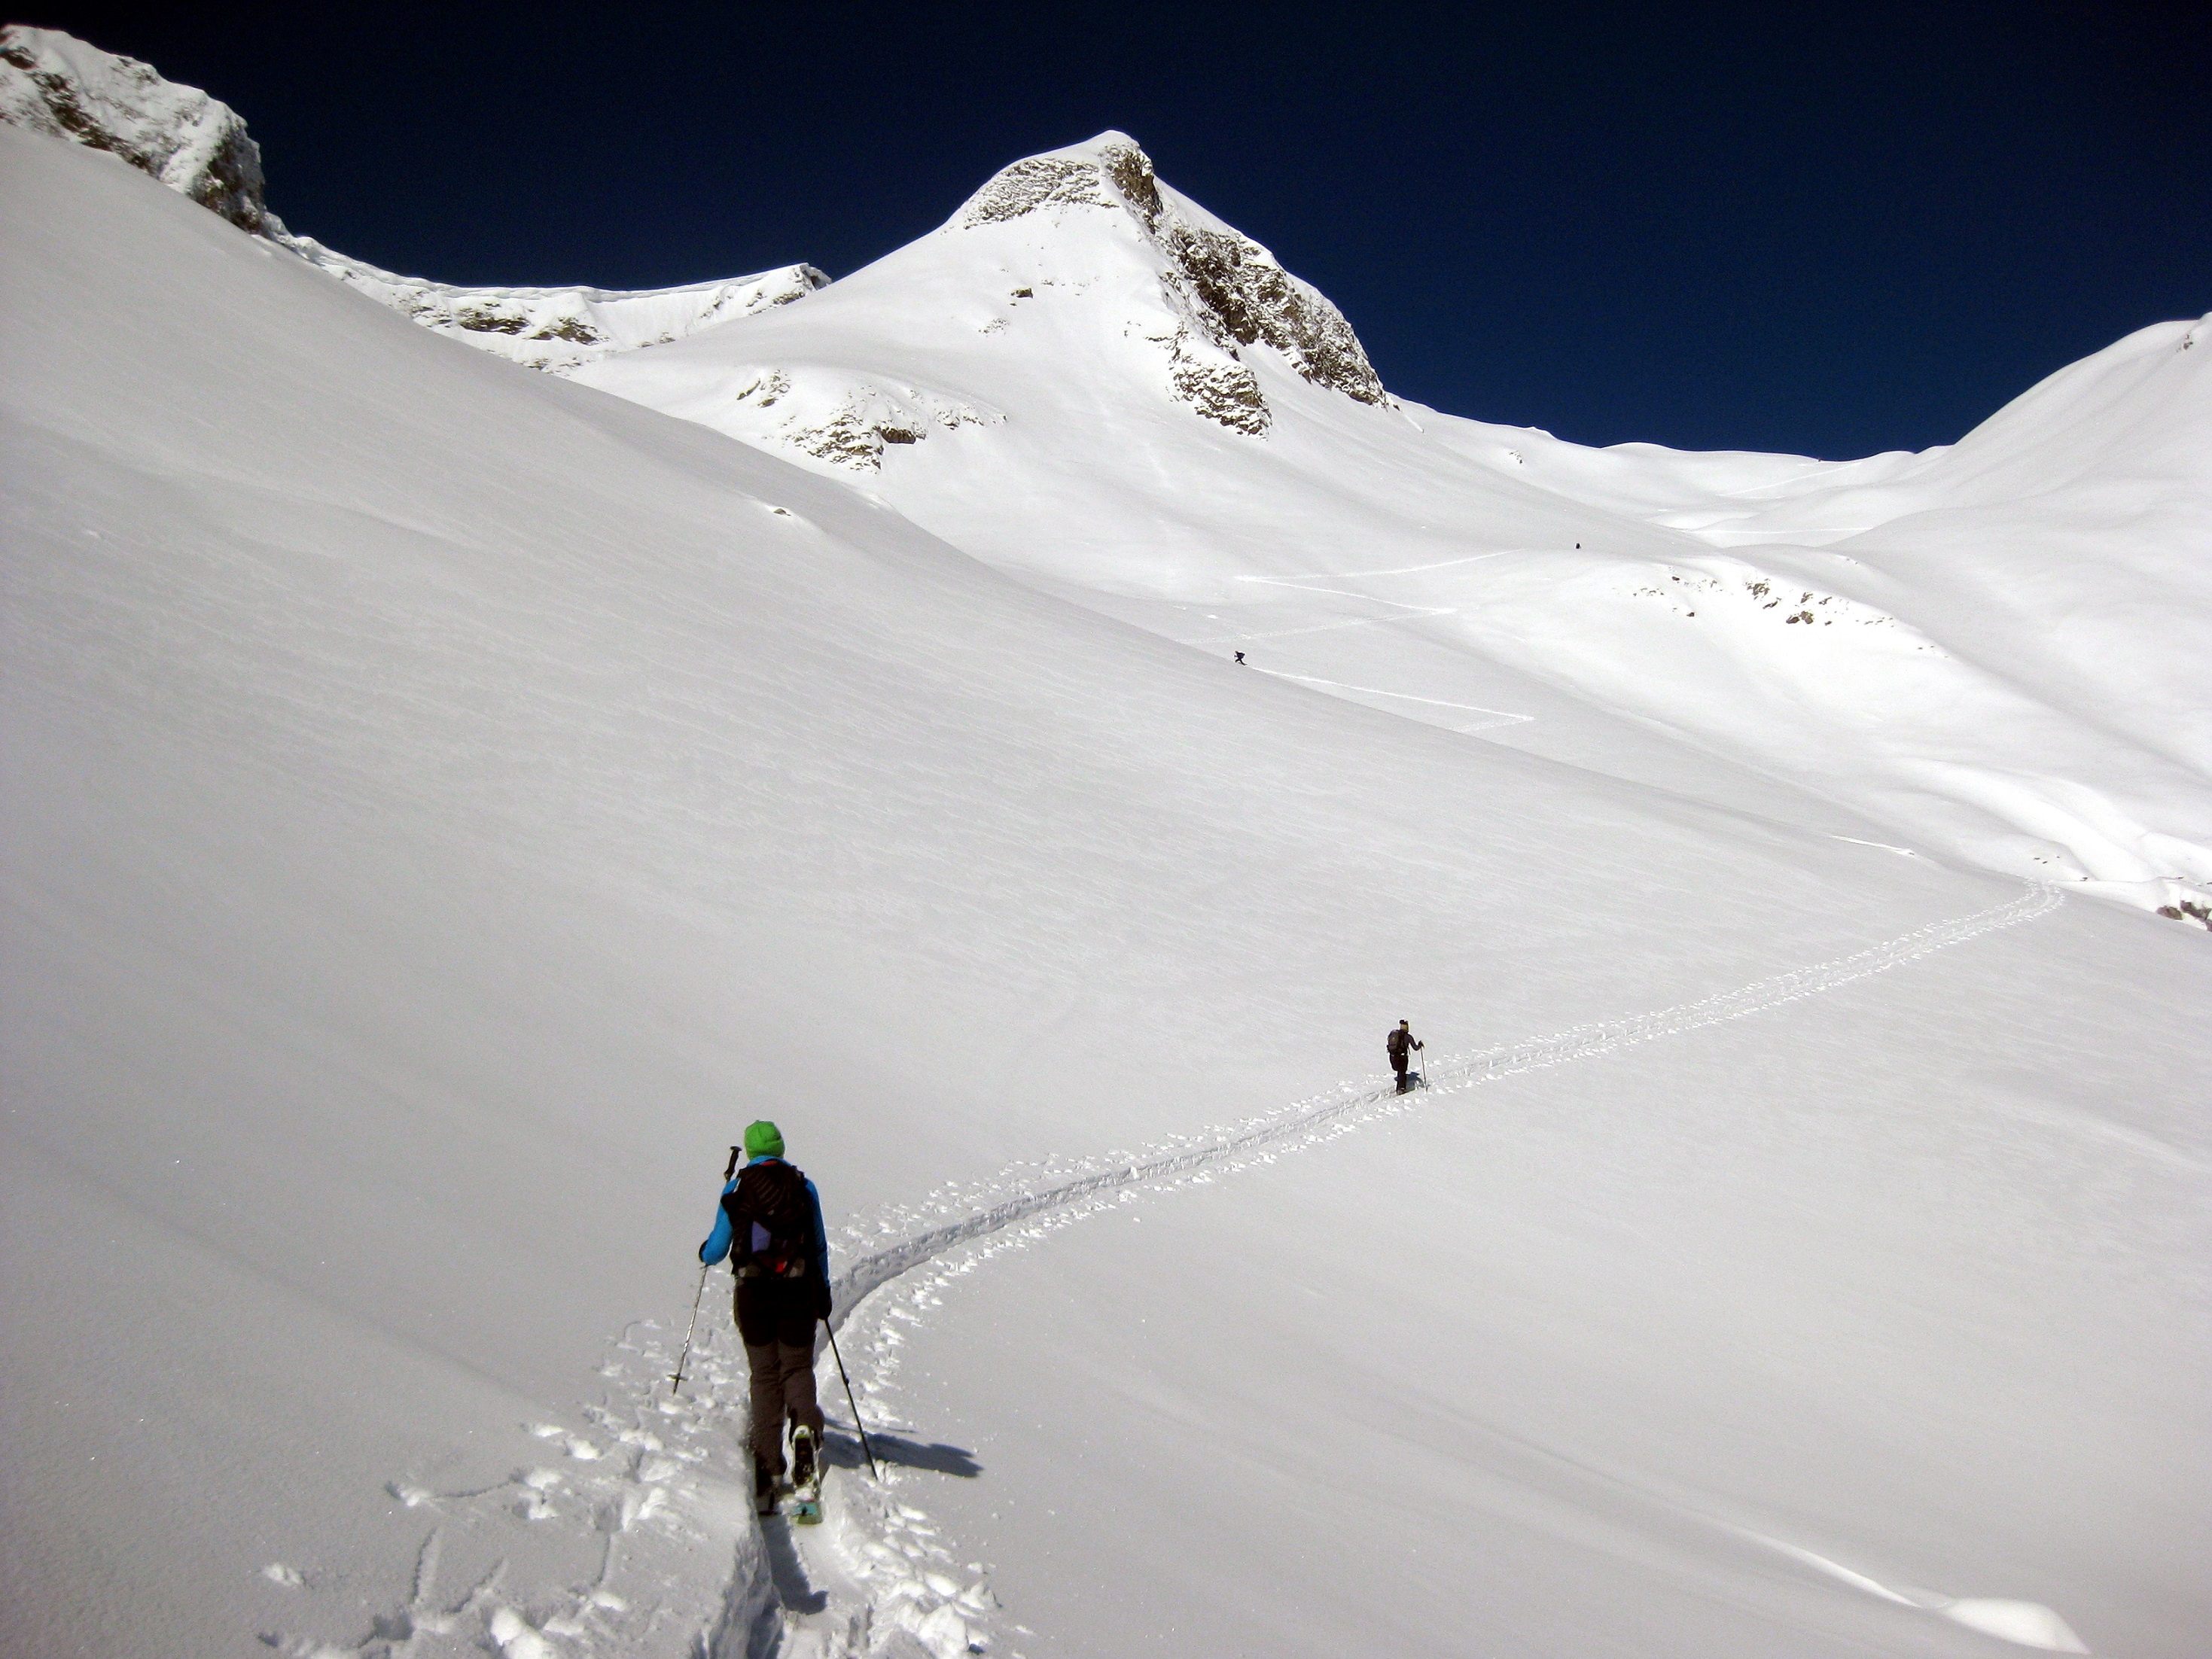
596, 1550
886, 1547
1178, 1157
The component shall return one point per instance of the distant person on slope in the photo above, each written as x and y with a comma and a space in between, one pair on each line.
770, 1227
1400, 1044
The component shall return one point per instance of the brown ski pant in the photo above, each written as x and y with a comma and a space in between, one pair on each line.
775, 1321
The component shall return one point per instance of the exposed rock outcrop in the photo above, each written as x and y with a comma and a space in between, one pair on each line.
53, 83
1229, 291
560, 329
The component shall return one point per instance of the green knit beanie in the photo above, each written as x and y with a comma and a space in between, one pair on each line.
763, 1140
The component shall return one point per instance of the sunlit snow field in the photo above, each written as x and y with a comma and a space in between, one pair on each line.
445, 803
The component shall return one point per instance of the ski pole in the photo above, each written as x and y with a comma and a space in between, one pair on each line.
676, 1383
867, 1451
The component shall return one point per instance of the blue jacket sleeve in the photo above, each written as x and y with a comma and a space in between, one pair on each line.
718, 1242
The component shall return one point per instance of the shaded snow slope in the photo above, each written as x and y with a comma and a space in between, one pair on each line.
2004, 670
53, 83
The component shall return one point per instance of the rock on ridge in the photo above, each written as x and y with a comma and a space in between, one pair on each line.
56, 84
1230, 290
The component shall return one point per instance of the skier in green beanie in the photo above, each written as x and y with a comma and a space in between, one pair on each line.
769, 1225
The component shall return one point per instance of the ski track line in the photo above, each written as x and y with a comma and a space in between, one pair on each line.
1464, 1071
645, 1479
1401, 570
1332, 593
1503, 717
1324, 628
593, 1547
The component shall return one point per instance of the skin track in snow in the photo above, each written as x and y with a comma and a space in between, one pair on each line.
1355, 1099
1605, 1205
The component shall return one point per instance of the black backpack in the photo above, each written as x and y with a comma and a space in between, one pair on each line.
771, 1223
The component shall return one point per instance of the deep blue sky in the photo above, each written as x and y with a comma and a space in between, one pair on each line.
1831, 230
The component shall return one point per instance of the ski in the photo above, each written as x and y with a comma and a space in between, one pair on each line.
805, 1509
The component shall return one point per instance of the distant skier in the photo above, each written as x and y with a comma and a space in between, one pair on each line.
1400, 1046
1240, 658
769, 1225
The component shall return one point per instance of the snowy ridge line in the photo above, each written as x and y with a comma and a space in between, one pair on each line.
1576, 1042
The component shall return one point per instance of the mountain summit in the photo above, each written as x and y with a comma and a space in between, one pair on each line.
1075, 294
1086, 380
1226, 289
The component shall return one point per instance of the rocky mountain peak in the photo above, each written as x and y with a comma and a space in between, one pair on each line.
54, 83
1232, 291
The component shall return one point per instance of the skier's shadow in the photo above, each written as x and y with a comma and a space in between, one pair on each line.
788, 1571
840, 1449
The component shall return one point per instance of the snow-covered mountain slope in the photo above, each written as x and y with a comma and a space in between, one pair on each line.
56, 84
1984, 675
1080, 267
2061, 542
443, 804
